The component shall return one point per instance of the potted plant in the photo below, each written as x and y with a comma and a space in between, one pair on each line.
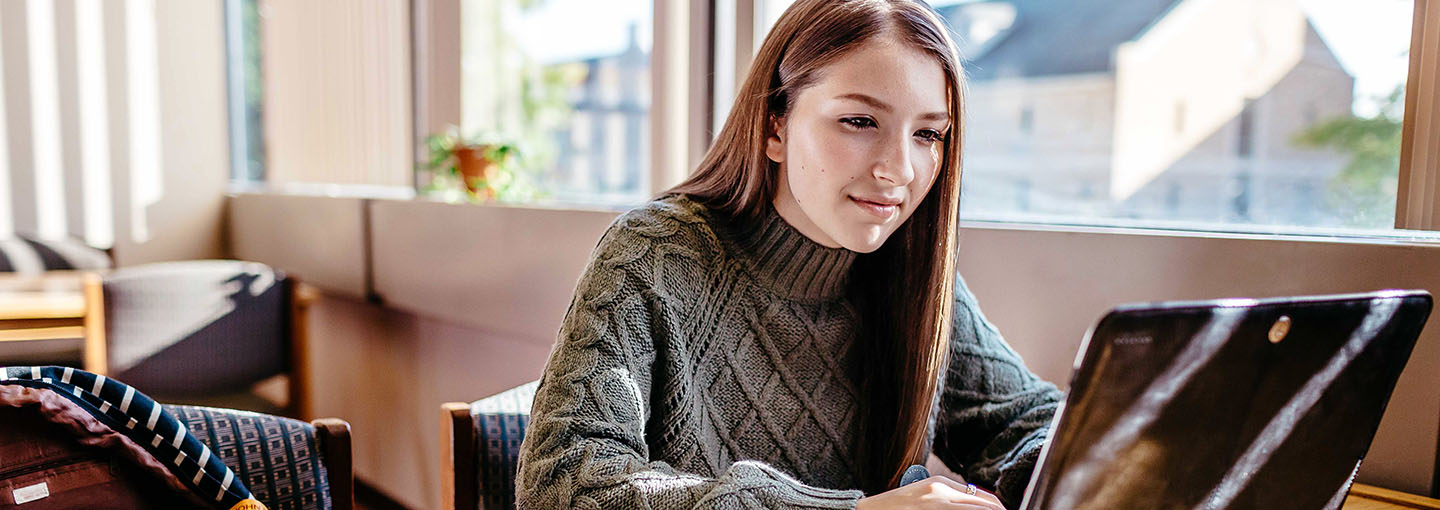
483, 166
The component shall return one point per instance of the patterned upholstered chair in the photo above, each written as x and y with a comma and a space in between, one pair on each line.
287, 464
202, 332
485, 440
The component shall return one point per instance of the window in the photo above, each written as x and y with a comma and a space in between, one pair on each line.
1245, 146
568, 83
242, 49
1154, 119
1271, 111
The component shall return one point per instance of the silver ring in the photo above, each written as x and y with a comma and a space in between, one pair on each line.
970, 489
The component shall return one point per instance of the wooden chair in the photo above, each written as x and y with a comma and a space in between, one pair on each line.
484, 438
334, 437
162, 325
331, 438
1366, 497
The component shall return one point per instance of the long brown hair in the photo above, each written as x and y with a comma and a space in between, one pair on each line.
914, 269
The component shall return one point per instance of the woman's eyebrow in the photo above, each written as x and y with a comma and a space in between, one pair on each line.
882, 106
868, 100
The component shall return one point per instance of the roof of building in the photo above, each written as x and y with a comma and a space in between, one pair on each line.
1052, 37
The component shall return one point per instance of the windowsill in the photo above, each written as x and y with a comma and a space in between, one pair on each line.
1213, 231
324, 190
406, 193
1114, 226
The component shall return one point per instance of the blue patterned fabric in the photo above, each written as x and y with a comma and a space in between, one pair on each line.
197, 328
143, 421
500, 423
277, 458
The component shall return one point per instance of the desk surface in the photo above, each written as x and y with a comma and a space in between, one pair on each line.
1365, 497
41, 307
52, 295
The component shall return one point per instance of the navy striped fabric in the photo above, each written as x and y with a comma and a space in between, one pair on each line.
23, 254
144, 421
277, 458
500, 423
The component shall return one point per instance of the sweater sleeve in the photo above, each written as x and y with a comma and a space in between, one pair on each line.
994, 413
586, 446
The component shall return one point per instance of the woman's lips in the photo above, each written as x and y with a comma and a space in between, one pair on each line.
882, 211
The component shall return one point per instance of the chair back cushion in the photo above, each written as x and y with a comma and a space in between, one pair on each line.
278, 458
28, 255
500, 423
196, 328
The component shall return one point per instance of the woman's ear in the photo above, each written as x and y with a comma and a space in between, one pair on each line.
775, 143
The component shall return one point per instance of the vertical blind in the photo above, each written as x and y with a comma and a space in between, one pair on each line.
337, 91
80, 142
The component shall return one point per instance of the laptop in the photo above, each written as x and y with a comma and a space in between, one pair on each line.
1227, 404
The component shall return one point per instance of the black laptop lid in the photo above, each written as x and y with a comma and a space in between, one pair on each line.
1235, 404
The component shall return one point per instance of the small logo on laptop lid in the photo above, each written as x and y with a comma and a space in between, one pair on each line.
1136, 338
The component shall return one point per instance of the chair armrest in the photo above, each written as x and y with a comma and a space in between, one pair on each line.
302, 296
96, 355
305, 295
333, 435
458, 474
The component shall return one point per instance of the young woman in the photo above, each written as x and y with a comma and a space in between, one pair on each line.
786, 329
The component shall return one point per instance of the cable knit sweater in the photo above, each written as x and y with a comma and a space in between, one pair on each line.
708, 364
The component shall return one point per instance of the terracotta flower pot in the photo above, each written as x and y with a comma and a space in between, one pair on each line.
474, 166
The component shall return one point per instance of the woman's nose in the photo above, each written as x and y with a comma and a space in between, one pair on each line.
894, 165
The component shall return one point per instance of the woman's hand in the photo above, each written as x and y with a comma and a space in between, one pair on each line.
936, 492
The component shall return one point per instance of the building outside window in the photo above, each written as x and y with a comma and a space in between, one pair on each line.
1267, 109
568, 81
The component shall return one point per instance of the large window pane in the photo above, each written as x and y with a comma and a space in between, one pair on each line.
569, 82
1274, 112
1230, 114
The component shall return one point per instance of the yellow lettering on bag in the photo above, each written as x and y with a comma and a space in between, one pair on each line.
249, 504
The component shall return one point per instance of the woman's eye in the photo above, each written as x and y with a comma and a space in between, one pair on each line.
858, 122
929, 135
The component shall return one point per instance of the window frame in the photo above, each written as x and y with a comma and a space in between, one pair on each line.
1417, 204
690, 100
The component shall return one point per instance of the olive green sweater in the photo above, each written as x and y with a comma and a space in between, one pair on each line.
709, 364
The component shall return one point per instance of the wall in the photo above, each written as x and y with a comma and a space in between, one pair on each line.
472, 297
114, 125
1045, 288
185, 220
490, 320
386, 372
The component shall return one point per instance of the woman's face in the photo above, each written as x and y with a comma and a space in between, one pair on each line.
862, 145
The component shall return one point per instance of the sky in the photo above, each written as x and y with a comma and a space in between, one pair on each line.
1372, 40
569, 30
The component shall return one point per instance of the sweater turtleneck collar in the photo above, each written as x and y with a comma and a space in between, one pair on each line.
789, 263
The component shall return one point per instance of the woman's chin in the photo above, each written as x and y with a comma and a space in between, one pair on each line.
865, 240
